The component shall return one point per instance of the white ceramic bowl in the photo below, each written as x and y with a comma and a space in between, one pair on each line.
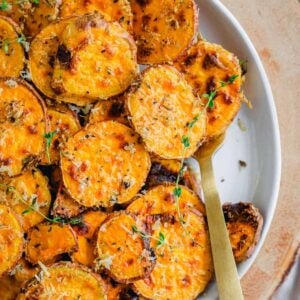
259, 146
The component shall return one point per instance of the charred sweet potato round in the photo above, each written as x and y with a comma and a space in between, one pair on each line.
11, 239
22, 126
45, 242
244, 224
10, 288
163, 30
205, 66
119, 10
184, 262
162, 106
95, 59
104, 164
21, 192
67, 279
41, 61
161, 200
109, 110
12, 56
122, 248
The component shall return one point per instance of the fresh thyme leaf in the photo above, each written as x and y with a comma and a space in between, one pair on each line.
5, 46
232, 78
177, 192
195, 120
4, 5
26, 211
185, 141
35, 1
161, 240
49, 137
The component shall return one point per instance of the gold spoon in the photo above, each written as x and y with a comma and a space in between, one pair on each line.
228, 282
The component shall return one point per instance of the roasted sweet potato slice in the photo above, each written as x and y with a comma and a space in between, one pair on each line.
122, 251
11, 239
63, 124
161, 108
104, 164
31, 16
22, 125
244, 223
65, 206
24, 271
184, 262
90, 223
45, 242
114, 289
109, 110
21, 192
160, 200
12, 56
9, 288
119, 11
163, 30
95, 59
66, 280
205, 66
41, 61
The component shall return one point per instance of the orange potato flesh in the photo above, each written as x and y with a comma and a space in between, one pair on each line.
23, 271
30, 188
42, 54
22, 126
184, 263
119, 11
122, 252
95, 59
163, 30
204, 66
46, 242
11, 239
104, 164
12, 55
66, 280
160, 200
161, 108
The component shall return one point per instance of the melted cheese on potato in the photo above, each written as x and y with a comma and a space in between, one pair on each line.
205, 66
121, 250
119, 10
95, 59
161, 108
104, 164
161, 200
22, 126
41, 62
184, 262
12, 55
163, 30
11, 239
66, 280
32, 188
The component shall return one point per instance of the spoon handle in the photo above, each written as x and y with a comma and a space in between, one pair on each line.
224, 264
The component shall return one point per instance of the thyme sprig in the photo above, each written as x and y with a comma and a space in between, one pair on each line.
5, 6
22, 40
33, 207
185, 140
159, 241
49, 137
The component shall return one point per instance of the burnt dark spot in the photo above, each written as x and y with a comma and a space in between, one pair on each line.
6, 161
64, 56
116, 109
227, 99
144, 51
145, 21
82, 229
211, 84
159, 174
32, 129
143, 2
186, 281
130, 261
190, 59
51, 61
210, 60
169, 198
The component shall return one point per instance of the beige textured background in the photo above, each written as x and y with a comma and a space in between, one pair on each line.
274, 28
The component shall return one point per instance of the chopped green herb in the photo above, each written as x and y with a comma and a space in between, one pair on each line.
4, 5
161, 241
185, 141
49, 137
